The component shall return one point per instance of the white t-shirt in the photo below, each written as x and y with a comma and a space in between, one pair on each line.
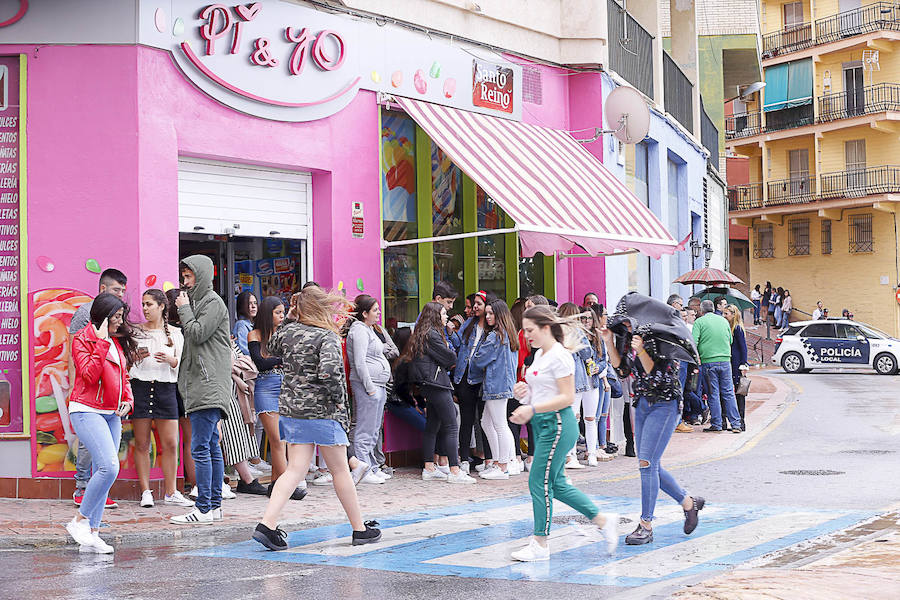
155, 341
541, 376
479, 331
754, 295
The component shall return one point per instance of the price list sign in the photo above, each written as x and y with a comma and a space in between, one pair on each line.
11, 392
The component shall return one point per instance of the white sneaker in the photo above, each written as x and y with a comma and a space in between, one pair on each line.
443, 469
177, 499
227, 494
80, 530
195, 517
573, 463
194, 493
385, 474
610, 531
323, 478
217, 514
592, 459
459, 477
434, 475
147, 499
527, 464
513, 468
359, 472
464, 466
373, 478
483, 466
532, 552
97, 545
495, 474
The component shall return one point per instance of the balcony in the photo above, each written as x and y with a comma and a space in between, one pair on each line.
678, 93
750, 124
861, 182
709, 137
796, 190
861, 101
743, 125
790, 39
630, 48
866, 19
745, 197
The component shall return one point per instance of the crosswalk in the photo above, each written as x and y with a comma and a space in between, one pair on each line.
475, 540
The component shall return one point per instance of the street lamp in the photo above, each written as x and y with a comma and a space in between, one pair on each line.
695, 248
709, 252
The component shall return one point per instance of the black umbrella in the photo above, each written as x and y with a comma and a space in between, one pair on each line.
664, 331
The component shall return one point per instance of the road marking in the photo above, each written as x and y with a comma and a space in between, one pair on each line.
665, 561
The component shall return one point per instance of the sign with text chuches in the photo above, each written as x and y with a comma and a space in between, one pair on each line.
492, 86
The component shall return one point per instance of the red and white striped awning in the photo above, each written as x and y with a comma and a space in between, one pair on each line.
557, 193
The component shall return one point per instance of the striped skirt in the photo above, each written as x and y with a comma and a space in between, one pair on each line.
238, 441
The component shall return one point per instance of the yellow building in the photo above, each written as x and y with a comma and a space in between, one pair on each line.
823, 138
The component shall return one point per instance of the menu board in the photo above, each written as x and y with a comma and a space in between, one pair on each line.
11, 392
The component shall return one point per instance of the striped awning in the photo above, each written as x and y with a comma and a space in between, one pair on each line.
557, 193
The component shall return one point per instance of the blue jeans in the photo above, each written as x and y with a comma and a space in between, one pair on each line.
693, 400
603, 417
721, 387
408, 414
207, 455
785, 319
756, 307
82, 467
100, 434
654, 425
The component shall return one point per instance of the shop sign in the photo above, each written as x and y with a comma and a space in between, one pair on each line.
492, 86
12, 325
356, 220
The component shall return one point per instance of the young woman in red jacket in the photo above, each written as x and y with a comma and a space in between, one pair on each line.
101, 395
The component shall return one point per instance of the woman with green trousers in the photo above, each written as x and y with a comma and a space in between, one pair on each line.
547, 395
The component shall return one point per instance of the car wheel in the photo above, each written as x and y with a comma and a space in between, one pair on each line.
885, 364
792, 362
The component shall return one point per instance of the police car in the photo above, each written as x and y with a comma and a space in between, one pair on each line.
808, 345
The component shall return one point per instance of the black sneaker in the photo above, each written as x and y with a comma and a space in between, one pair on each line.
712, 429
639, 536
704, 416
273, 539
629, 450
254, 487
299, 494
611, 449
690, 516
369, 536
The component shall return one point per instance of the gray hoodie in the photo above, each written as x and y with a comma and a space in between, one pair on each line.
204, 375
366, 355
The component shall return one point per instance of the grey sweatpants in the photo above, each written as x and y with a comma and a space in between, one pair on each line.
369, 417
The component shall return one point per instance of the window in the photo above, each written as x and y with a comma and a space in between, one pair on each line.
798, 237
793, 14
861, 239
855, 158
872, 333
846, 332
826, 236
798, 160
765, 243
819, 330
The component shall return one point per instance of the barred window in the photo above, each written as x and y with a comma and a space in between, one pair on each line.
861, 239
826, 236
765, 242
798, 237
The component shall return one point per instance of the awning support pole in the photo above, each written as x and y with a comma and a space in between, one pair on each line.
446, 238
563, 255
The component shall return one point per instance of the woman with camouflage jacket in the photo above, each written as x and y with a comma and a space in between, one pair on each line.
313, 411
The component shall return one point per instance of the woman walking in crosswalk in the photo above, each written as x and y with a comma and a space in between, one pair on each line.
547, 395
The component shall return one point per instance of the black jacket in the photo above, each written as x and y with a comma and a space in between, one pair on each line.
432, 367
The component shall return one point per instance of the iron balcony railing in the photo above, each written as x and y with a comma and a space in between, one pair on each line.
796, 190
857, 183
709, 137
789, 39
866, 19
789, 118
859, 101
743, 125
678, 93
745, 197
630, 48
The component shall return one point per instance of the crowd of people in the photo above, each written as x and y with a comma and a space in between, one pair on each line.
496, 392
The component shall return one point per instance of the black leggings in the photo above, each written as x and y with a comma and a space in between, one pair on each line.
511, 406
468, 396
440, 421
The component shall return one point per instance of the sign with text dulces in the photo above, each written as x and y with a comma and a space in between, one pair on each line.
13, 396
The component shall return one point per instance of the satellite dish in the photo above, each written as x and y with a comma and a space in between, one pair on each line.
752, 89
627, 115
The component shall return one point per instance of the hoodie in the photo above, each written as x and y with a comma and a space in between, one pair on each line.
204, 375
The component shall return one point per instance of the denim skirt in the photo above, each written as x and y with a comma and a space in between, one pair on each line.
322, 432
266, 392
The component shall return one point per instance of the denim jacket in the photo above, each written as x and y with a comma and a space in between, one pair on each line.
476, 374
499, 364
582, 354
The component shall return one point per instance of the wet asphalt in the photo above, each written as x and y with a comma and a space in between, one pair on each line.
837, 448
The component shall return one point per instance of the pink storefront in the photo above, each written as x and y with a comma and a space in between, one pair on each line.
267, 136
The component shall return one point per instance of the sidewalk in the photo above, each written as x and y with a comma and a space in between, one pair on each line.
39, 522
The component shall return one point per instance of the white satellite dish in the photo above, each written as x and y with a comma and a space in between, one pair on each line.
627, 115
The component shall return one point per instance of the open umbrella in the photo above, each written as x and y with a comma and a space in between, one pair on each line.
708, 276
732, 295
655, 321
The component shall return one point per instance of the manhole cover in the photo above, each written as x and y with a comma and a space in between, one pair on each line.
868, 451
811, 472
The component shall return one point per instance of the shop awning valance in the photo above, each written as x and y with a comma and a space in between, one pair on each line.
557, 193
788, 85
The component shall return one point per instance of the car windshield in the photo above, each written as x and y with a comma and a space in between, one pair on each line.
871, 332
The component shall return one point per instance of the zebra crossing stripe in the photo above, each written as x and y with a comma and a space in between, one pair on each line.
667, 560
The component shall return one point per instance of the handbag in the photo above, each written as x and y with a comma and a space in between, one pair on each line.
743, 387
615, 387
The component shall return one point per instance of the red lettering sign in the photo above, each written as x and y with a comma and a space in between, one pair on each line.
492, 86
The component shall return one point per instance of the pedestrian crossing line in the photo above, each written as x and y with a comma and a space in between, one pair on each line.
561, 539
660, 562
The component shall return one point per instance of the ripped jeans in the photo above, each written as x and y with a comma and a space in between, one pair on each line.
654, 425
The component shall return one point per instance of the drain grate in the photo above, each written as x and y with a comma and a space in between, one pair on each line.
868, 451
811, 472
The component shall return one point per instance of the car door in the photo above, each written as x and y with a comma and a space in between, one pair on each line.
819, 345
853, 349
